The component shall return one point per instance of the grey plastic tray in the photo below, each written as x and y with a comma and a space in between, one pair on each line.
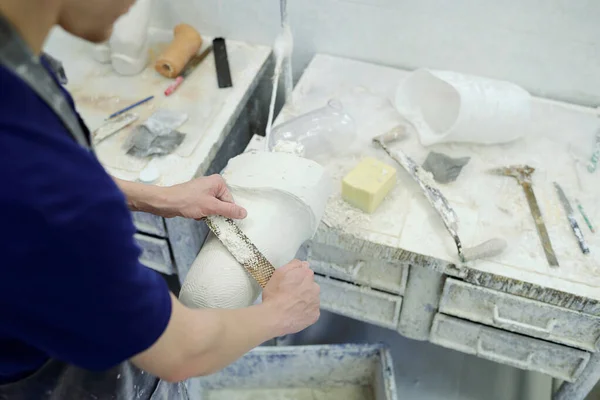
322, 372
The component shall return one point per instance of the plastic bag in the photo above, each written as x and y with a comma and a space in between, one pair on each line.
315, 135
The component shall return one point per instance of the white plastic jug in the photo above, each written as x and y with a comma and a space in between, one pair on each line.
129, 43
446, 106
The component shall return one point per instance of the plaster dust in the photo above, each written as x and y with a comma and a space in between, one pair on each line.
287, 146
285, 197
234, 243
350, 392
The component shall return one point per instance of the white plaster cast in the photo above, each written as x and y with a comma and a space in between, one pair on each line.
129, 43
446, 106
285, 196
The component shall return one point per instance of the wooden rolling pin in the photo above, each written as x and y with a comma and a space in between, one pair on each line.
185, 45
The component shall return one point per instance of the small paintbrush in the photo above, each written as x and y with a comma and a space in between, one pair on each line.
124, 110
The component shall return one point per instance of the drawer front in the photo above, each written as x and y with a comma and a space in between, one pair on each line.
341, 264
509, 348
518, 314
360, 303
155, 254
149, 223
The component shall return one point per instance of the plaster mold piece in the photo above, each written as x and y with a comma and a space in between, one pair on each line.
129, 43
446, 106
285, 197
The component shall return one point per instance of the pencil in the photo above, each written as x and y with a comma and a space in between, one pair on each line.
130, 107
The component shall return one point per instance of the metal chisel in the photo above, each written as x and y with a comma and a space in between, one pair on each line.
523, 173
571, 217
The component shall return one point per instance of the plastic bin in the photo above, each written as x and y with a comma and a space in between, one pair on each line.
321, 372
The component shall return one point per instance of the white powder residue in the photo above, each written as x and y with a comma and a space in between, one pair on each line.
288, 146
285, 196
227, 234
343, 216
425, 176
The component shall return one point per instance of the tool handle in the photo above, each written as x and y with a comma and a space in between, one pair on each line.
222, 63
172, 87
539, 224
578, 234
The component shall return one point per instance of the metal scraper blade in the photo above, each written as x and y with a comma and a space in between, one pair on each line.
113, 126
241, 248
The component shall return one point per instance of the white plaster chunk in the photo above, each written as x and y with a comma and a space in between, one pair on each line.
285, 197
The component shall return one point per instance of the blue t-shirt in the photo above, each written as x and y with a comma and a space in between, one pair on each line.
71, 285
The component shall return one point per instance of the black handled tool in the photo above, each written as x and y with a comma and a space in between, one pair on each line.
222, 63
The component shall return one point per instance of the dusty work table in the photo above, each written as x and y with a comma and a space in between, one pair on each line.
221, 123
398, 268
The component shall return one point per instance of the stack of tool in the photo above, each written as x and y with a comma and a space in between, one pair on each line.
178, 61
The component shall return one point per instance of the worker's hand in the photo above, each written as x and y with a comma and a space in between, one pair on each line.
202, 197
293, 296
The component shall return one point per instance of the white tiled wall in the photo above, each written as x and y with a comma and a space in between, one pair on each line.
551, 47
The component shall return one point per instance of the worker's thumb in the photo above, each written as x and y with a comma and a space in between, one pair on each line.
229, 210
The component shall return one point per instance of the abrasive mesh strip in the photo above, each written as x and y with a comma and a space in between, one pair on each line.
241, 248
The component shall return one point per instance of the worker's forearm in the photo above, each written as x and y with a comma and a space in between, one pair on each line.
141, 197
233, 334
202, 341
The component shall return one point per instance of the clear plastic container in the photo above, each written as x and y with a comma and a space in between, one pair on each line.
317, 135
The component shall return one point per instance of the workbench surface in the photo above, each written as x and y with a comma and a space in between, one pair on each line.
487, 206
99, 91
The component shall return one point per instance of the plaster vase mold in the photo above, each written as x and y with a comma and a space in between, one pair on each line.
285, 196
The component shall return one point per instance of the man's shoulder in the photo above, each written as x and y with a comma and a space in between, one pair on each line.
22, 110
39, 160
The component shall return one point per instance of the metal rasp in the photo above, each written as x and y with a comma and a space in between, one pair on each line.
113, 126
241, 248
436, 199
523, 175
571, 217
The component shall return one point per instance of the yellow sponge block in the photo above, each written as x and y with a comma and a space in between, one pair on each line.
367, 184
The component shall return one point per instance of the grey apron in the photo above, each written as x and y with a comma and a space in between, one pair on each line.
57, 380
